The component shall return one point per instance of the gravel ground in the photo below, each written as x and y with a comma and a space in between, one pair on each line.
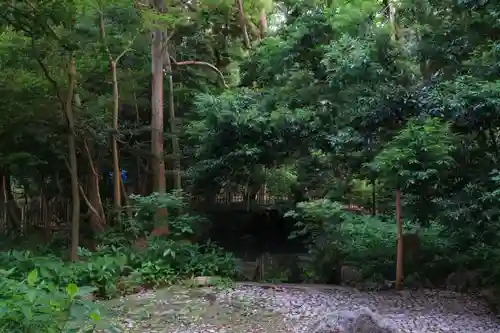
287, 309
421, 311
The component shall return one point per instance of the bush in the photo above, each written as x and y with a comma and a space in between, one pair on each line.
336, 237
34, 305
49, 299
119, 267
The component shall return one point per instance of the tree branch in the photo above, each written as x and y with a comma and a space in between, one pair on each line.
82, 192
201, 63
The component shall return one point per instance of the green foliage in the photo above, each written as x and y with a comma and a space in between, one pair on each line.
181, 225
35, 304
112, 270
118, 266
280, 180
337, 101
417, 155
337, 238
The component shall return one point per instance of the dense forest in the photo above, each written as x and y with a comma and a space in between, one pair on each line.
371, 127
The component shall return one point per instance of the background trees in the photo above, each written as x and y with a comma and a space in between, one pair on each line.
341, 100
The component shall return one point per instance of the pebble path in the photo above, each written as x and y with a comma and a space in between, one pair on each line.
411, 311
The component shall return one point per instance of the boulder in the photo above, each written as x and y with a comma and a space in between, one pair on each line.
363, 321
369, 322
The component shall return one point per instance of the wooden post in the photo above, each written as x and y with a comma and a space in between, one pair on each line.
399, 231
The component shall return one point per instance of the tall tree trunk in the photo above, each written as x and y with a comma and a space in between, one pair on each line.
243, 24
263, 23
157, 135
73, 164
400, 245
117, 202
157, 62
174, 129
390, 14
139, 183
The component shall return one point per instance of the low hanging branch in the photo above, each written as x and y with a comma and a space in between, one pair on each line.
201, 63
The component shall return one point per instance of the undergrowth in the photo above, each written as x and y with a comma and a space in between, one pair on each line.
335, 237
44, 293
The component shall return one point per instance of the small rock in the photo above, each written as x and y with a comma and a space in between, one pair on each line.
205, 281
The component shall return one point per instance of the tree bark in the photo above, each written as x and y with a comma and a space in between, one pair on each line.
117, 201
390, 14
73, 163
243, 24
263, 23
157, 62
174, 130
13, 210
157, 117
96, 209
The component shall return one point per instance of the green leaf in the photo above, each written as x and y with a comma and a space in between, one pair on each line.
31, 295
27, 312
85, 291
72, 290
32, 277
95, 316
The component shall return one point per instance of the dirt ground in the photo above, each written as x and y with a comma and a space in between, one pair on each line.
179, 309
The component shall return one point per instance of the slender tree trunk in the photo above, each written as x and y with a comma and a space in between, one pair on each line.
114, 144
243, 24
157, 62
13, 211
73, 164
174, 129
400, 245
97, 220
390, 14
117, 201
263, 23
96, 209
139, 183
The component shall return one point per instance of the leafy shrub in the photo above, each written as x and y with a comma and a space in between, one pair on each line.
335, 237
181, 225
34, 305
49, 301
116, 270
320, 221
